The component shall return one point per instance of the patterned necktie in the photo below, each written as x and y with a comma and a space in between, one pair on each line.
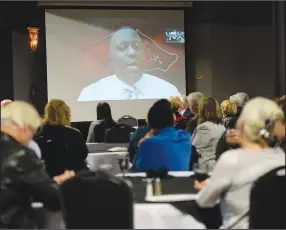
131, 93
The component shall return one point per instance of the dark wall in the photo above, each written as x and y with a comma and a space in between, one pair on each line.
6, 66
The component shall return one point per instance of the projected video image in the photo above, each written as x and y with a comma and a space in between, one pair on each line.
130, 78
117, 56
175, 35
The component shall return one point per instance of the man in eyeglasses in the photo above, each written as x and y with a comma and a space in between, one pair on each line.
129, 80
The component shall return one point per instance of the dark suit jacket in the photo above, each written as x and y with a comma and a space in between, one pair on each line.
192, 124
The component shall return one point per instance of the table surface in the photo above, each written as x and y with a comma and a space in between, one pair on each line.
103, 147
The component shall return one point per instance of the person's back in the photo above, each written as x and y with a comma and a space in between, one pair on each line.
97, 130
169, 148
240, 168
63, 148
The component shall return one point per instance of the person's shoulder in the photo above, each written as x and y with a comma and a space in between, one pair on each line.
71, 130
160, 83
231, 156
100, 86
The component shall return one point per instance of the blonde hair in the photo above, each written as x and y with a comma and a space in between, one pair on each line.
256, 113
175, 103
228, 107
57, 112
21, 113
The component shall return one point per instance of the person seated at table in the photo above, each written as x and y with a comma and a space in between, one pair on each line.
63, 147
164, 146
207, 133
23, 177
180, 121
104, 122
135, 138
237, 170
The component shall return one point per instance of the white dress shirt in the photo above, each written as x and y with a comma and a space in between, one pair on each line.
112, 88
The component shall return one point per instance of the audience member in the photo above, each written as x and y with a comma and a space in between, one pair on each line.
229, 111
32, 144
133, 144
104, 122
237, 170
63, 147
184, 108
180, 121
207, 133
23, 178
281, 126
241, 99
164, 146
193, 102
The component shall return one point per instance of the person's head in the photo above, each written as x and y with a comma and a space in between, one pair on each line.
240, 98
103, 111
20, 120
209, 110
281, 102
127, 55
228, 108
259, 122
175, 104
57, 112
194, 100
5, 102
160, 115
184, 100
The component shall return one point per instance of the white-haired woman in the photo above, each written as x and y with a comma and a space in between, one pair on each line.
237, 170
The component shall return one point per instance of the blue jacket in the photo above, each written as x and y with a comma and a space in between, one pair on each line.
170, 148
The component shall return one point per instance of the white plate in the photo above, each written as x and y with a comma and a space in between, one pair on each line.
172, 198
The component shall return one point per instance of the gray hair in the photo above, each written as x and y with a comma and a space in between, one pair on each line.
194, 99
240, 98
184, 99
21, 113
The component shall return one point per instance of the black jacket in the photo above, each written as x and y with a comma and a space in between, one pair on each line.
229, 122
23, 180
63, 148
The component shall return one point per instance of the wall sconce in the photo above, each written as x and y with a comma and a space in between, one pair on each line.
34, 37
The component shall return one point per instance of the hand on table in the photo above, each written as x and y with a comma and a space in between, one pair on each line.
63, 177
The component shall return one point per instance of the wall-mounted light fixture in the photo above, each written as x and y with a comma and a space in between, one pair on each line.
34, 37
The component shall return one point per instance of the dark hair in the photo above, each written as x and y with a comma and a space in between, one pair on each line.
160, 115
103, 111
209, 110
281, 103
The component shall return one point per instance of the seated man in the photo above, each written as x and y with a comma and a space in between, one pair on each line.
164, 146
23, 177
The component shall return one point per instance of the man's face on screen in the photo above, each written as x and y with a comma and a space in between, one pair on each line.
127, 55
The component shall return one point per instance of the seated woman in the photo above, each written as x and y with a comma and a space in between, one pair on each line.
229, 114
104, 122
180, 121
164, 146
63, 147
237, 170
207, 133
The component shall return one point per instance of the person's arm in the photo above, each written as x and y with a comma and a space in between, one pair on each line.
29, 174
222, 146
219, 181
81, 145
201, 138
90, 136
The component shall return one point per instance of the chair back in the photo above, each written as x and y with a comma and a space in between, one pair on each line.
128, 120
268, 201
97, 200
120, 133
